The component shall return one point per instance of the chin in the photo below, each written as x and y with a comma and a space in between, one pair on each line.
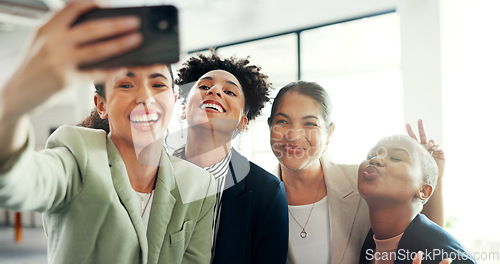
292, 164
224, 126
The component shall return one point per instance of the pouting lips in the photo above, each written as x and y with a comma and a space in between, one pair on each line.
371, 172
211, 106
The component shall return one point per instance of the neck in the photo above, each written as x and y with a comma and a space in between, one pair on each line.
390, 220
304, 186
205, 148
142, 168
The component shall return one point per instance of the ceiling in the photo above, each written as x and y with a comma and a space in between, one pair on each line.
208, 23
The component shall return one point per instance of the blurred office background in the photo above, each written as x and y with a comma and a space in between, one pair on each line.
384, 63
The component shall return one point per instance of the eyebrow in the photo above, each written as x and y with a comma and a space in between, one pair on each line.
305, 117
156, 75
310, 116
228, 82
152, 76
283, 115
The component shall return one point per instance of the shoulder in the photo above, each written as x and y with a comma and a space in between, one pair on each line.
87, 146
265, 187
429, 236
194, 183
73, 136
341, 178
260, 179
350, 171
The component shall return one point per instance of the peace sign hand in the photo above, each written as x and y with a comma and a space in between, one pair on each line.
435, 150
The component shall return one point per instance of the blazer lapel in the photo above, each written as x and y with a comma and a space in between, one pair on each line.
126, 194
232, 238
342, 201
161, 210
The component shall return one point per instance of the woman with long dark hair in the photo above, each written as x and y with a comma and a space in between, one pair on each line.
107, 197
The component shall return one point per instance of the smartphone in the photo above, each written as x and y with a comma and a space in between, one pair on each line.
160, 30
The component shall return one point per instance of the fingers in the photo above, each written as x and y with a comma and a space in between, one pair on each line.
101, 75
410, 131
74, 9
446, 261
109, 48
418, 258
421, 132
101, 28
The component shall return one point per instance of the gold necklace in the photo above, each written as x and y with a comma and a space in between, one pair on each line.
143, 207
303, 233
150, 193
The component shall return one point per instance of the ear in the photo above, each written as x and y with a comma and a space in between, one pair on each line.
100, 105
243, 123
176, 96
330, 133
183, 113
425, 192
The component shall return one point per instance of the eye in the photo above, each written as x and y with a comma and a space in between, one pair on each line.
395, 159
203, 87
125, 85
281, 121
369, 157
311, 124
160, 85
230, 93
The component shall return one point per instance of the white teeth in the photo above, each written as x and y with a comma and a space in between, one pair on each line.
144, 118
215, 106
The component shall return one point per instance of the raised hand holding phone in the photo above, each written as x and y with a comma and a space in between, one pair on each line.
52, 63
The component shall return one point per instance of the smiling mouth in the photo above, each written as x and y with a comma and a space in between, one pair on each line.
145, 119
293, 149
214, 107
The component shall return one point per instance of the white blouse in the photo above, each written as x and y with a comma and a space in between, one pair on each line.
148, 201
316, 246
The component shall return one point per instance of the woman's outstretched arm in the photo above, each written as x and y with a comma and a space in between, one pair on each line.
434, 208
51, 64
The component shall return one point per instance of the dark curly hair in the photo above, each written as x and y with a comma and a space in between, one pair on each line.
254, 83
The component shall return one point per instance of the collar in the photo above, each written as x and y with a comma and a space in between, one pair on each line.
220, 168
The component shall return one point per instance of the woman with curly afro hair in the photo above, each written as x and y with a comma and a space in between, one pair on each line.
220, 96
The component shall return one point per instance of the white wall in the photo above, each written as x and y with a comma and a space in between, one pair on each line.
421, 64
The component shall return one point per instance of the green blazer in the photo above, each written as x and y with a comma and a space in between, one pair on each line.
90, 209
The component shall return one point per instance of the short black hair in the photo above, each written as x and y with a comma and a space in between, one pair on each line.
253, 82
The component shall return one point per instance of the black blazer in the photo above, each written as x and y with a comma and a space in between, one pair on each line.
253, 225
422, 235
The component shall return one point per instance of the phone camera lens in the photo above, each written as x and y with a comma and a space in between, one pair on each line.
163, 24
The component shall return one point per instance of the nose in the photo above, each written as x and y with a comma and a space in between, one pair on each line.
145, 96
215, 90
295, 134
377, 161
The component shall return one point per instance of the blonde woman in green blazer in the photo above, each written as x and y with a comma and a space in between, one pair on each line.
112, 197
